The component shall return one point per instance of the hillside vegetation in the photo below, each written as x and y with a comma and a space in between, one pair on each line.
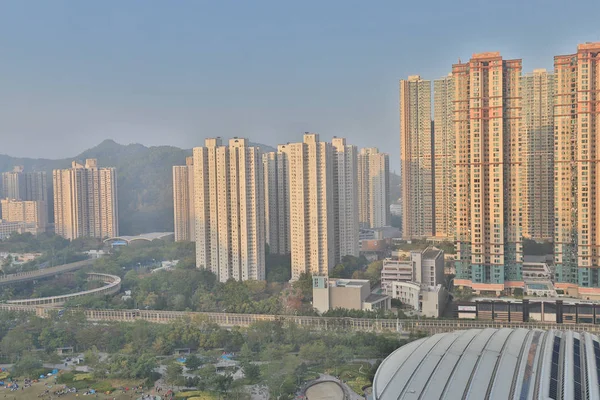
144, 180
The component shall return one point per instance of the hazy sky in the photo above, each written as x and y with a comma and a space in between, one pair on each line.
73, 73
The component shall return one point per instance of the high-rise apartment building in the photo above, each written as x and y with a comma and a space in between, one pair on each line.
312, 227
345, 180
20, 185
277, 201
373, 188
444, 157
34, 213
229, 209
487, 121
416, 158
183, 201
537, 154
576, 168
85, 201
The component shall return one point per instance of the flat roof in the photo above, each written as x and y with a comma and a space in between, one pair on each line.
493, 364
374, 298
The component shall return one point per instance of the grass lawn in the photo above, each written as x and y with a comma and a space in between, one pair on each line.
34, 391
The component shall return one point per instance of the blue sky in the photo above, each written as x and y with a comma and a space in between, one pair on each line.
173, 72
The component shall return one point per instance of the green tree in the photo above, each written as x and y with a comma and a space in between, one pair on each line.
305, 285
193, 362
174, 373
252, 372
27, 365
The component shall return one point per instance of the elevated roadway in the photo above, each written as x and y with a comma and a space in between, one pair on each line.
43, 273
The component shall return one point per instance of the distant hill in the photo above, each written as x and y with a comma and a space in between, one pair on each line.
144, 180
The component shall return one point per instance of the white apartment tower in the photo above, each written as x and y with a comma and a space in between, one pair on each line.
416, 158
20, 185
312, 227
85, 201
444, 157
537, 144
277, 201
183, 201
373, 188
345, 177
229, 209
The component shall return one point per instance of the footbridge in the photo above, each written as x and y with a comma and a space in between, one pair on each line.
227, 320
112, 286
43, 273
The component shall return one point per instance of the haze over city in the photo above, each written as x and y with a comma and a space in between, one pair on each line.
79, 72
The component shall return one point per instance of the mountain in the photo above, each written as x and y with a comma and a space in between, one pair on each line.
144, 180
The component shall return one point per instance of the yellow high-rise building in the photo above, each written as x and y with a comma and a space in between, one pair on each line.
576, 170
229, 209
183, 201
487, 119
416, 158
444, 157
85, 201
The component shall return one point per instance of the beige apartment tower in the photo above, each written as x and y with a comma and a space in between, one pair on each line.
537, 155
416, 158
345, 180
277, 201
229, 209
487, 119
34, 213
373, 188
312, 227
183, 201
85, 201
576, 168
444, 157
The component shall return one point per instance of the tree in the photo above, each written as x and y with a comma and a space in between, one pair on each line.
193, 362
223, 383
305, 285
28, 365
373, 272
174, 373
252, 372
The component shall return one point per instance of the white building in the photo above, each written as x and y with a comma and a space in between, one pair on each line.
374, 188
424, 267
349, 294
277, 201
229, 209
429, 301
345, 170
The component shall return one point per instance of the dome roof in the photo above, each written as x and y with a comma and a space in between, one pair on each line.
493, 364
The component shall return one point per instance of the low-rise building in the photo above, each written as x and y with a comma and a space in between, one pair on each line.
429, 301
8, 228
351, 294
424, 267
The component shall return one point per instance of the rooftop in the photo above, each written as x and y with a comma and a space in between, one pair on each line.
374, 298
500, 363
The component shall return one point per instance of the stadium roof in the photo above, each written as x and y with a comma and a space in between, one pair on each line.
493, 364
144, 236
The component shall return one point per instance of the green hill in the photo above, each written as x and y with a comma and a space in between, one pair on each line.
144, 180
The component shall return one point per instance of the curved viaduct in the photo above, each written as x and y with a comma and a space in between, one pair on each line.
226, 320
113, 285
43, 273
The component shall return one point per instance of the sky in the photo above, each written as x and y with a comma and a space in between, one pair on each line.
73, 73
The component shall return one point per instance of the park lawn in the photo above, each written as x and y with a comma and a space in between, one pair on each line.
32, 393
196, 395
